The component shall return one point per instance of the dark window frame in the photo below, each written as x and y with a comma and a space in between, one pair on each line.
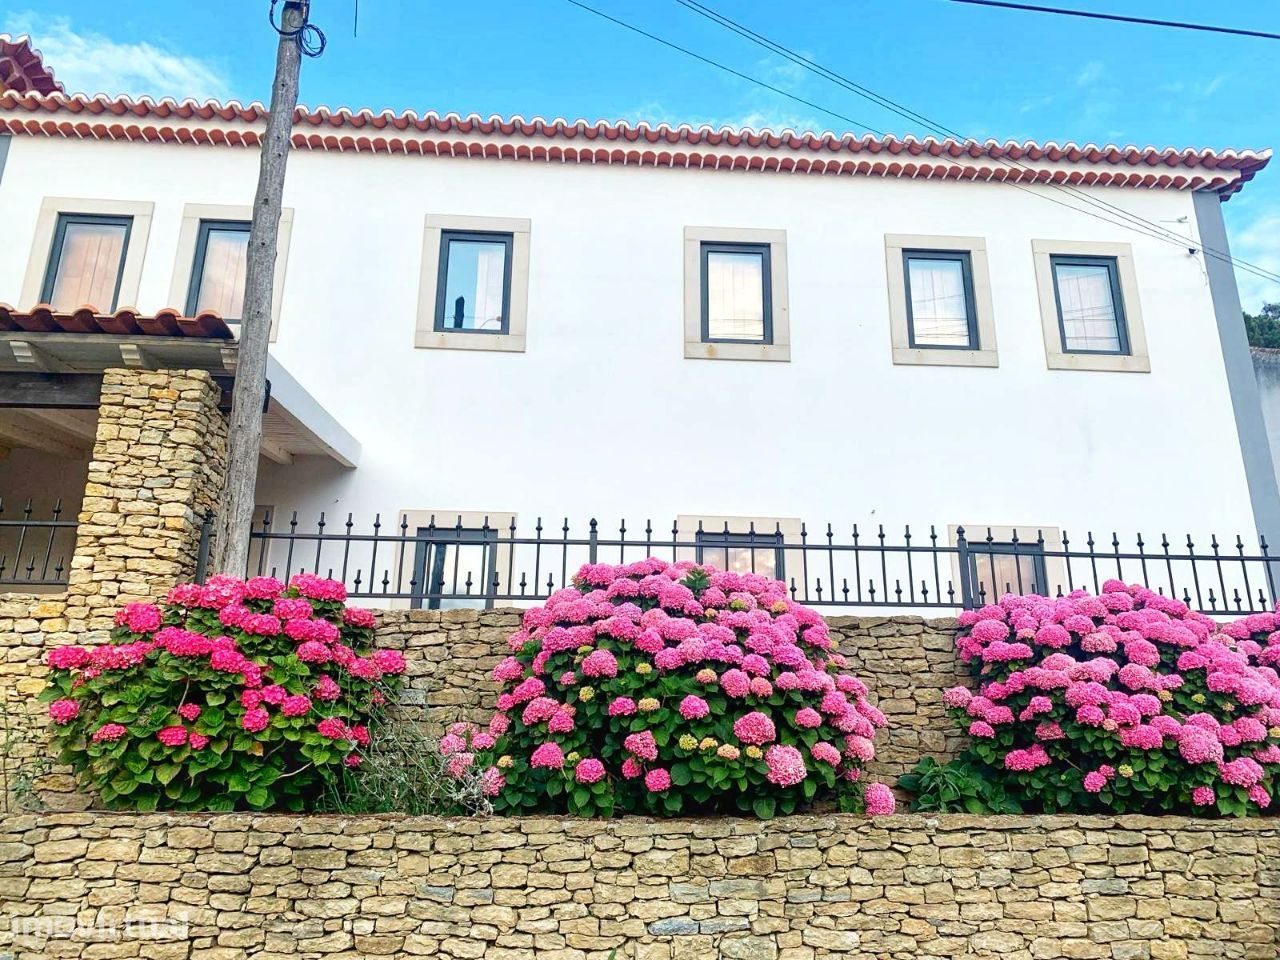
965, 259
1112, 265
765, 250
720, 540
434, 542
59, 238
442, 277
982, 550
197, 262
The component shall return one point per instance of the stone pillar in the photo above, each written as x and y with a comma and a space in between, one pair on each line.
157, 467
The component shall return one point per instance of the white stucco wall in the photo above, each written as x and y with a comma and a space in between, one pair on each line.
602, 416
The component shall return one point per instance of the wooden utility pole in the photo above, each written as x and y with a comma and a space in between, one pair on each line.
231, 546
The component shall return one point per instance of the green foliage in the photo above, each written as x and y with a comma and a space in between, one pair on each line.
403, 771
965, 785
1263, 328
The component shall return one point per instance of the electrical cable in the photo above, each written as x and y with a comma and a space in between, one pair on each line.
1143, 21
309, 38
1136, 222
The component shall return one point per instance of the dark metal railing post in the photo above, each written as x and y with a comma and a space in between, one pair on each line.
966, 583
593, 541
202, 552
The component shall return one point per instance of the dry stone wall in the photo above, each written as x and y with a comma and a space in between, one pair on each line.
907, 662
228, 887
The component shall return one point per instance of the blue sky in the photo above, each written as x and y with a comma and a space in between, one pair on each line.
982, 72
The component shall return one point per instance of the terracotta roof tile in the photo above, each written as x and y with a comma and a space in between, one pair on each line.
86, 319
22, 68
580, 141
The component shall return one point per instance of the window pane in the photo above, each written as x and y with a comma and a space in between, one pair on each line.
474, 284
734, 553
88, 267
452, 561
1089, 319
998, 574
735, 295
221, 282
939, 311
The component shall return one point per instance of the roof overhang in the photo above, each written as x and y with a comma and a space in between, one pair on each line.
641, 144
56, 369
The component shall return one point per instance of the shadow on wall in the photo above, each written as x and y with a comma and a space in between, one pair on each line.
37, 488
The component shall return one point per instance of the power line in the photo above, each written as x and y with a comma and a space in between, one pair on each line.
1145, 21
1132, 221
905, 112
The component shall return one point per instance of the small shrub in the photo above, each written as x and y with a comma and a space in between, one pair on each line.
961, 786
673, 689
231, 695
1124, 702
403, 771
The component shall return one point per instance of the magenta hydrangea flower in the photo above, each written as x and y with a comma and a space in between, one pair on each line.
1203, 796
255, 720
589, 770
879, 800
333, 729
295, 706
657, 780
693, 708
600, 663
754, 728
172, 736
64, 711
548, 755
786, 765
642, 745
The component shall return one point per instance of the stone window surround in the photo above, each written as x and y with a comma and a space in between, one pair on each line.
142, 212
695, 348
895, 244
412, 519
1055, 568
188, 235
426, 336
1137, 359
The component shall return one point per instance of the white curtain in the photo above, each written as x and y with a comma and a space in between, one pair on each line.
735, 296
491, 261
222, 279
1088, 311
939, 314
88, 267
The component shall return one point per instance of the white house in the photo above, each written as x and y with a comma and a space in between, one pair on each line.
506, 319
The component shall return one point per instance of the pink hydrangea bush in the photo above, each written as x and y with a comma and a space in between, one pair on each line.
673, 689
1124, 702
229, 695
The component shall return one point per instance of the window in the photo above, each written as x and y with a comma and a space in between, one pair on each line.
209, 262
473, 289
1090, 311
736, 293
741, 552
218, 271
473, 292
940, 312
454, 567
1000, 567
86, 261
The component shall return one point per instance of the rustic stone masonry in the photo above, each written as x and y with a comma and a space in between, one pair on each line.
30, 624
907, 662
226, 887
157, 467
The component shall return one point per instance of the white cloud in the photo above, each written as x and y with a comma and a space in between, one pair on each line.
1090, 74
1258, 242
88, 62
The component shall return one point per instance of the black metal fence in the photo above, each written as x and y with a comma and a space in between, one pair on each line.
35, 545
445, 564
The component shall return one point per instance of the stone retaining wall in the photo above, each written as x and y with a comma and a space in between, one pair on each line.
907, 662
227, 887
